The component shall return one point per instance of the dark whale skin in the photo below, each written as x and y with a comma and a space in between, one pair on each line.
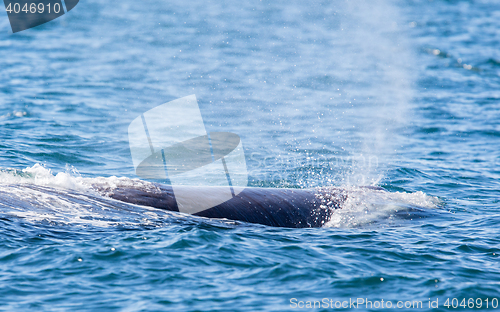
278, 207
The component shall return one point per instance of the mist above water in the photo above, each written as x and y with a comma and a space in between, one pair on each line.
337, 95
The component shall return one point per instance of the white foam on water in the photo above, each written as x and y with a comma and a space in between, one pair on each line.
42, 176
367, 206
70, 179
38, 195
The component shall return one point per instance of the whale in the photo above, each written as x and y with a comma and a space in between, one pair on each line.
277, 207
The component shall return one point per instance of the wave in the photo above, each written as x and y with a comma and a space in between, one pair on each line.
38, 195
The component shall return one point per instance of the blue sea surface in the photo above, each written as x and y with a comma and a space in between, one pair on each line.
399, 94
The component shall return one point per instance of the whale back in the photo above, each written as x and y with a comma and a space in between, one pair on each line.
295, 208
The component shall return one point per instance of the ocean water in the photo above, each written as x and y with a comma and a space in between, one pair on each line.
399, 94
